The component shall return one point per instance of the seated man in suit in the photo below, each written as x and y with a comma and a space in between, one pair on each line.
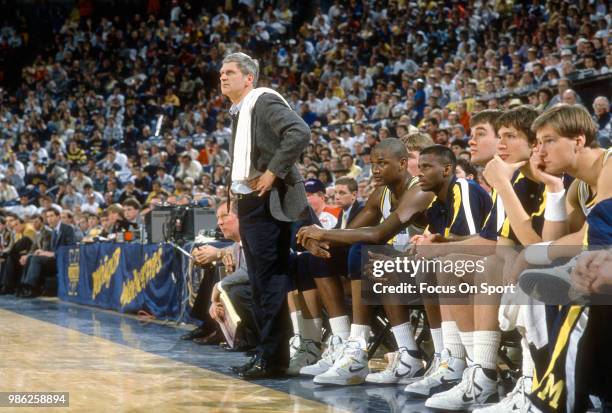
236, 283
42, 263
42, 240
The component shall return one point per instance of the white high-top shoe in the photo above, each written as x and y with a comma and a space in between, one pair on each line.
447, 374
475, 389
331, 353
350, 368
402, 367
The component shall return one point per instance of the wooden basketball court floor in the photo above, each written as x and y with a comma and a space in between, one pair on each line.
110, 362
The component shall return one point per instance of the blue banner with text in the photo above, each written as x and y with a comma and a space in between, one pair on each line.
122, 277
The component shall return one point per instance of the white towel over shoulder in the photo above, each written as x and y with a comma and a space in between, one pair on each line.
242, 145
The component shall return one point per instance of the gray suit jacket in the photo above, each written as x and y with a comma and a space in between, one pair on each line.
278, 138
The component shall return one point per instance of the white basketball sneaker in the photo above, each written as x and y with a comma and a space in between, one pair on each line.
515, 401
475, 389
350, 368
402, 366
307, 354
433, 367
331, 353
447, 374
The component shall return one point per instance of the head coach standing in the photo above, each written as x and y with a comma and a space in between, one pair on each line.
267, 139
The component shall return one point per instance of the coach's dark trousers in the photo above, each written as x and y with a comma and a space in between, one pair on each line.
266, 243
37, 268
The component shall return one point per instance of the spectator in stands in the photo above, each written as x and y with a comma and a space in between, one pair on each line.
8, 193
601, 108
131, 211
25, 208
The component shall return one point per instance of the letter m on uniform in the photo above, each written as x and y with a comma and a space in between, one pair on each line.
551, 391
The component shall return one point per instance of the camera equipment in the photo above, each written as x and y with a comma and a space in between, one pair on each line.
179, 223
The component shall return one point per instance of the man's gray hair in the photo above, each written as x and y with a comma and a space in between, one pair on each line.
246, 64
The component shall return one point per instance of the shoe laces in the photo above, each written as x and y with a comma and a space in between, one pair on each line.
467, 381
348, 353
518, 390
295, 341
334, 349
434, 366
392, 364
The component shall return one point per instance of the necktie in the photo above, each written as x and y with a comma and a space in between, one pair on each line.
54, 238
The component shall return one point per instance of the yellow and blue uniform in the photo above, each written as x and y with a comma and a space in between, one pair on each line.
464, 211
402, 238
579, 363
533, 199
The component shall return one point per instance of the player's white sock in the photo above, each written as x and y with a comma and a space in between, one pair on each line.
467, 339
452, 341
297, 321
340, 326
404, 336
360, 331
486, 344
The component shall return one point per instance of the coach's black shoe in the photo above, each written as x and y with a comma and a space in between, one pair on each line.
30, 292
197, 332
246, 366
6, 291
261, 369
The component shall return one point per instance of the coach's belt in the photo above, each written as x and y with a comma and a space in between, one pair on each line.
253, 194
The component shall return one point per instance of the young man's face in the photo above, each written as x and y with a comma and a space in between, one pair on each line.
513, 145
386, 168
557, 153
130, 213
483, 143
433, 172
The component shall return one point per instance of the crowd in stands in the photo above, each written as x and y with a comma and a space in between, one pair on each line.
129, 107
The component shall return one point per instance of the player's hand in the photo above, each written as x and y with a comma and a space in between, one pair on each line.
317, 248
590, 274
536, 166
497, 171
309, 232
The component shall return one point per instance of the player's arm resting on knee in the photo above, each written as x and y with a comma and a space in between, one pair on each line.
368, 216
411, 205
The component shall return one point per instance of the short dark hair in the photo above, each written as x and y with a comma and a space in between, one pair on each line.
442, 152
393, 146
350, 183
468, 167
133, 202
520, 118
54, 210
485, 116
